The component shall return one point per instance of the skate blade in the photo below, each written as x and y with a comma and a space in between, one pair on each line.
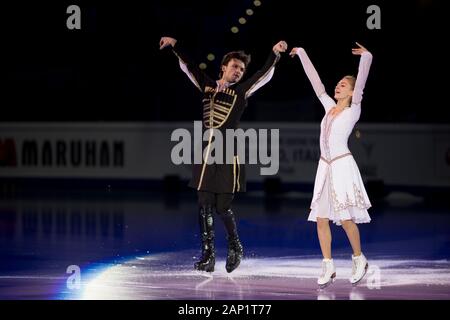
198, 268
230, 270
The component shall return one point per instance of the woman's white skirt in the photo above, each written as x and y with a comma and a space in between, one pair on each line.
323, 205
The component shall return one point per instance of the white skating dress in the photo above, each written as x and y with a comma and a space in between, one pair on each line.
339, 192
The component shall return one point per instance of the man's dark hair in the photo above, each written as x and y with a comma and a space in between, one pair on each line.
238, 55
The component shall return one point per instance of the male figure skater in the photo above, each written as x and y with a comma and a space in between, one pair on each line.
224, 101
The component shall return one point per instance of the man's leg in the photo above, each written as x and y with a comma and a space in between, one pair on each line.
235, 250
206, 201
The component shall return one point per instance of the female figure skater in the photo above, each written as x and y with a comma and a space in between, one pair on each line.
339, 193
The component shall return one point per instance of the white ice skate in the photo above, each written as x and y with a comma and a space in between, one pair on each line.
359, 268
328, 274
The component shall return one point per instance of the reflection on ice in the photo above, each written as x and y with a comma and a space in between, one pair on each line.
171, 276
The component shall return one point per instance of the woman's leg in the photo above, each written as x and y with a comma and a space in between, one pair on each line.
360, 264
324, 234
352, 231
328, 270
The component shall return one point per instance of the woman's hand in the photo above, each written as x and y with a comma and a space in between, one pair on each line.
166, 41
359, 51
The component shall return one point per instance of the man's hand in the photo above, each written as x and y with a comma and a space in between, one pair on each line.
294, 52
166, 41
280, 47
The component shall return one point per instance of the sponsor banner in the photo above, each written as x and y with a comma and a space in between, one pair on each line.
410, 155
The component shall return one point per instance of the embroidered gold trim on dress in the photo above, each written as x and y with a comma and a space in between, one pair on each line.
239, 173
225, 110
220, 116
225, 103
205, 160
217, 123
359, 200
336, 158
234, 174
211, 109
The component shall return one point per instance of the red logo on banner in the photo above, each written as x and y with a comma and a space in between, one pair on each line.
8, 154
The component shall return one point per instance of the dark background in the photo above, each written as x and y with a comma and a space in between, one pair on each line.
112, 69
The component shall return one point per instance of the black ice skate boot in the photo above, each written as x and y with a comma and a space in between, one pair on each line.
208, 259
235, 250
